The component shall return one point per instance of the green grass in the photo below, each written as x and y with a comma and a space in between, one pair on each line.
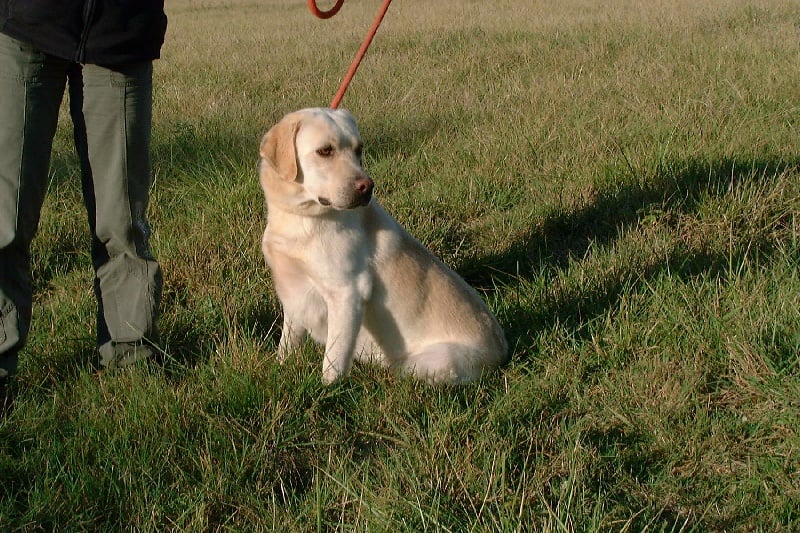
620, 180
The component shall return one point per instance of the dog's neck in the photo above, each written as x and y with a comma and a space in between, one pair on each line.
283, 217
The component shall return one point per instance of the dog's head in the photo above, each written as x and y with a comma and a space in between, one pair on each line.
311, 161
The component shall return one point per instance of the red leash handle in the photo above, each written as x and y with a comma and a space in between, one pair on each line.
312, 5
361, 51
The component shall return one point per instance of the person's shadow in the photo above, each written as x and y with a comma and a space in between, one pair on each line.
563, 238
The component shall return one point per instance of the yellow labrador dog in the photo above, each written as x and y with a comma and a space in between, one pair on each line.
348, 275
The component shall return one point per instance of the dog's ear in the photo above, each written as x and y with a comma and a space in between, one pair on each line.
278, 148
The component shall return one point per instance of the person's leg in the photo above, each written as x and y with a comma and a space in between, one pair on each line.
117, 112
31, 89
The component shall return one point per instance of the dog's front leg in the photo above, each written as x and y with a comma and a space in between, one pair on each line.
345, 313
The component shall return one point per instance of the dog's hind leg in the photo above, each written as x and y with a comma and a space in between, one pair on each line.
445, 363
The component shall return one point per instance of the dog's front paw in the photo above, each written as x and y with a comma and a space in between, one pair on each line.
333, 370
281, 356
331, 375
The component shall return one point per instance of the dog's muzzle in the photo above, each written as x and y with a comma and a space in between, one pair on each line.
364, 186
359, 197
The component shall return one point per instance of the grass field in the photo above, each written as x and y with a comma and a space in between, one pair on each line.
620, 180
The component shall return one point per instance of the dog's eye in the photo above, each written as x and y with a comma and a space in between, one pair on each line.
359, 151
325, 151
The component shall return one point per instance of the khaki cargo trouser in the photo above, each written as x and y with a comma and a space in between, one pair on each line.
111, 109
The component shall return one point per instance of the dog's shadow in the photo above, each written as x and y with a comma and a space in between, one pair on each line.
561, 239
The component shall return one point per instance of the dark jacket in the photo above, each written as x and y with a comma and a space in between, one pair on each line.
103, 32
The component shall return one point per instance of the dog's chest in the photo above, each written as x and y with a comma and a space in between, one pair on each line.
327, 251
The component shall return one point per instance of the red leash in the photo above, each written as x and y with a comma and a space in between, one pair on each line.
312, 5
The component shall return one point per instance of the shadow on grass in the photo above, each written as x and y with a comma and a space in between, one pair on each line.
566, 237
548, 250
